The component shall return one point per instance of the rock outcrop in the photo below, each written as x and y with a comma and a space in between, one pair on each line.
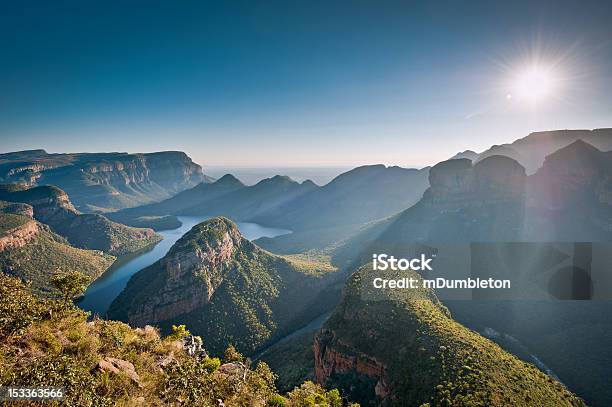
532, 150
401, 347
225, 289
457, 183
104, 181
52, 206
20, 236
207, 260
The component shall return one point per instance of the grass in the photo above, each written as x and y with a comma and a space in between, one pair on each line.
255, 297
48, 253
48, 343
9, 221
430, 358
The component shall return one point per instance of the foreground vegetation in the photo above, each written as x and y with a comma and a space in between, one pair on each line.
45, 342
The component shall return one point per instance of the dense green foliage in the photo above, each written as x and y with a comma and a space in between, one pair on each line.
430, 358
51, 343
70, 283
48, 253
9, 221
292, 360
258, 297
88, 231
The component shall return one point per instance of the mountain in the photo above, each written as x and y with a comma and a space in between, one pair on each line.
354, 197
251, 202
107, 363
52, 206
227, 196
531, 151
549, 233
318, 216
100, 182
570, 196
227, 289
31, 251
199, 195
400, 347
568, 199
465, 202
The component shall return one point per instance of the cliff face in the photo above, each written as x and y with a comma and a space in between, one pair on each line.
19, 236
31, 251
401, 347
457, 183
574, 174
531, 151
225, 289
52, 206
193, 272
105, 181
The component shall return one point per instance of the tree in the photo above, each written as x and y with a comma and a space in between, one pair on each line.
179, 332
70, 284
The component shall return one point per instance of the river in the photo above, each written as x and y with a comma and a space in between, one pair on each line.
101, 293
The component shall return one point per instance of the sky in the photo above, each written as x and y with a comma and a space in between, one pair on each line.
305, 84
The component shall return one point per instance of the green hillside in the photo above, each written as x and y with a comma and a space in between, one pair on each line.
406, 350
107, 363
227, 289
46, 254
53, 207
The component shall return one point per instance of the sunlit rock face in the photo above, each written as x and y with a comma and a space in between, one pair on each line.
193, 270
52, 206
99, 182
227, 290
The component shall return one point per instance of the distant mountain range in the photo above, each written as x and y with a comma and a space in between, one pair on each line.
531, 151
347, 202
100, 182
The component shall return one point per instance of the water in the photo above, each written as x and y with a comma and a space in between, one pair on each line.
101, 293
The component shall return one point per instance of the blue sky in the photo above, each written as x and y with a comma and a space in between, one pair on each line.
296, 83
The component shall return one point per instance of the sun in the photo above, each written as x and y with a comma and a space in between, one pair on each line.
533, 85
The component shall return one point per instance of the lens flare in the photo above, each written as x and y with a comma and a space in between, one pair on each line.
534, 84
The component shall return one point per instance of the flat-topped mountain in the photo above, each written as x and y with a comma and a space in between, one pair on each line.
531, 151
226, 289
104, 181
401, 348
52, 206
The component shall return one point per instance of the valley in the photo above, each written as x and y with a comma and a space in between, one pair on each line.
101, 293
275, 271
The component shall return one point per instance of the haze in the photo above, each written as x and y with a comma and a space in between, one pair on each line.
305, 85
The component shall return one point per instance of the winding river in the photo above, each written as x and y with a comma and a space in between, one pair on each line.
101, 293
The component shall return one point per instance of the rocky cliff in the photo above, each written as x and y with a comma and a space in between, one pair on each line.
226, 289
52, 206
401, 347
531, 151
19, 236
105, 181
31, 251
457, 183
